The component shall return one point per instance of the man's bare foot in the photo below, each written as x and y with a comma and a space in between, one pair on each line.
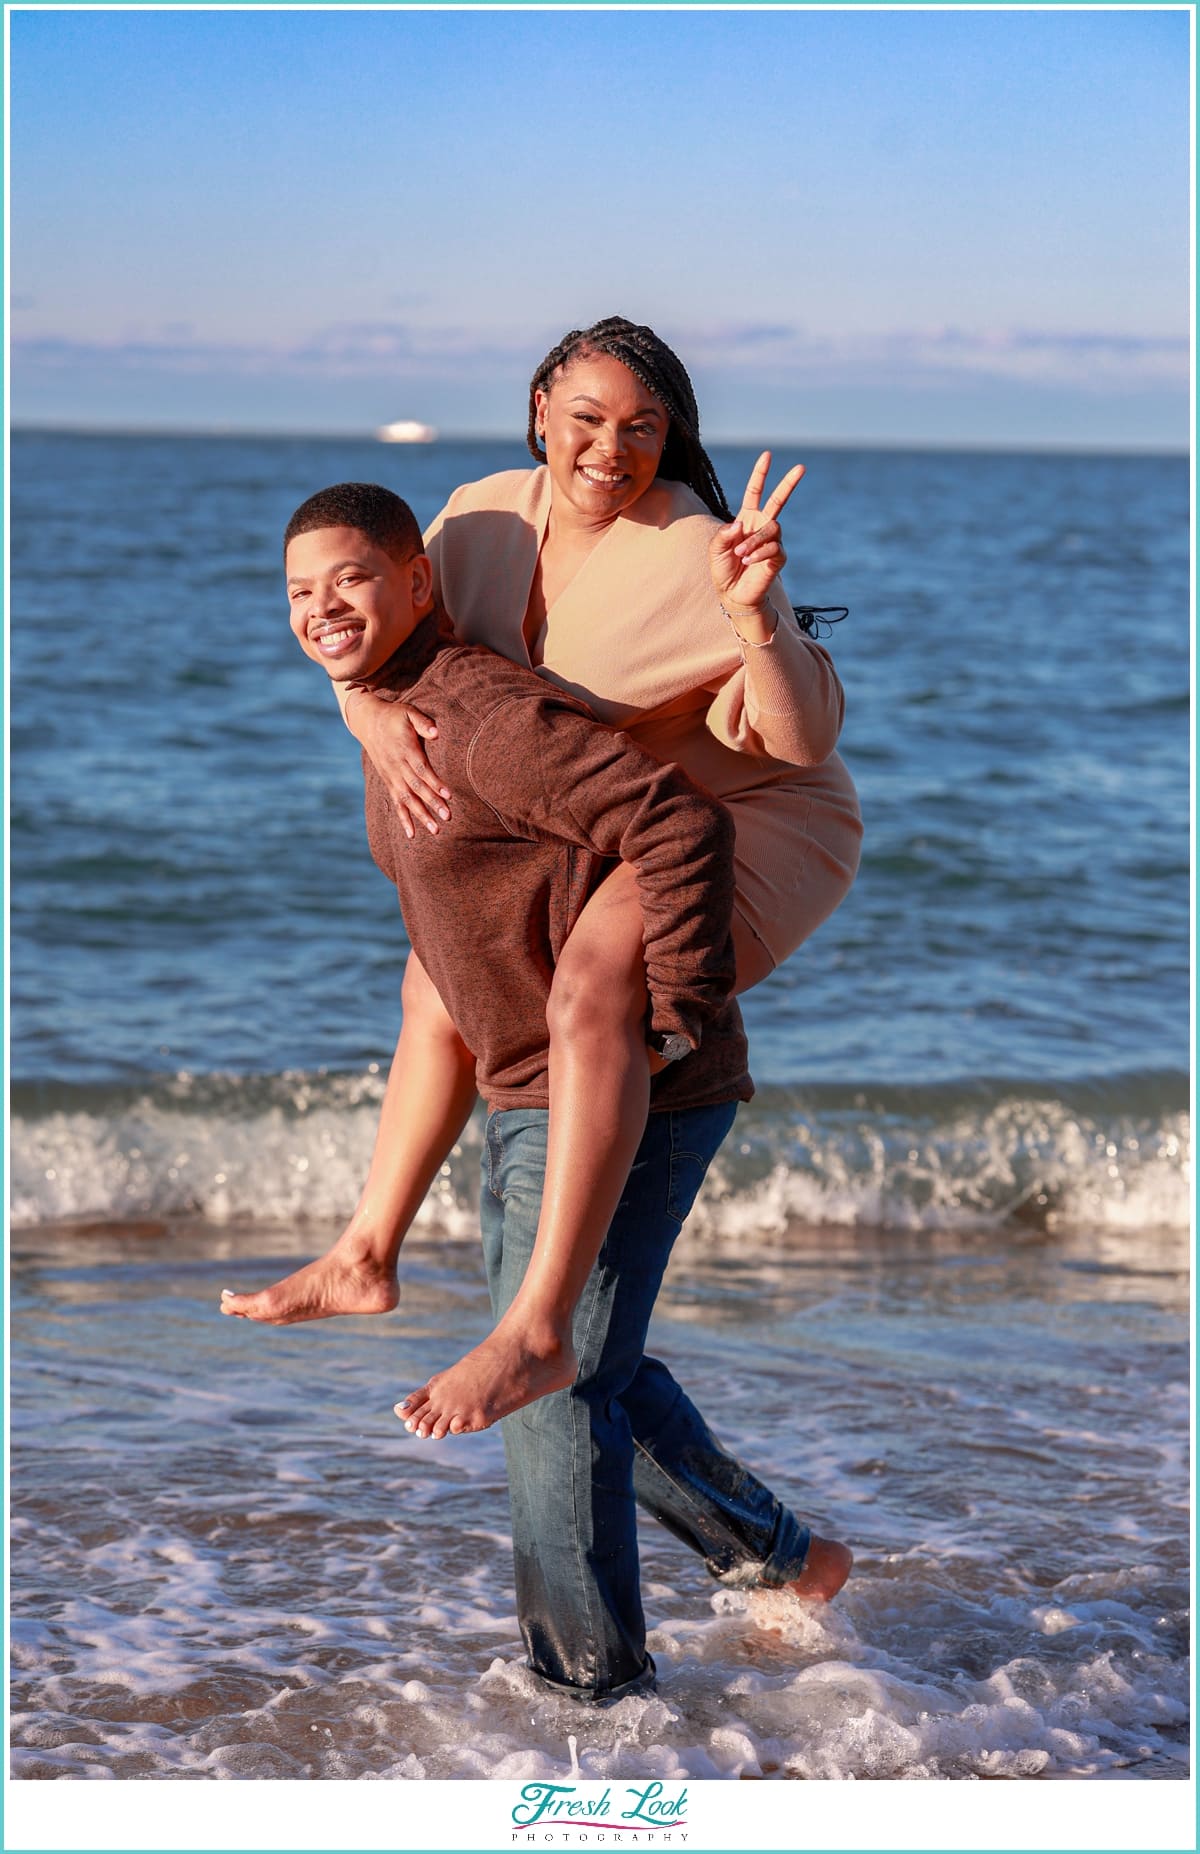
511, 1368
825, 1570
343, 1281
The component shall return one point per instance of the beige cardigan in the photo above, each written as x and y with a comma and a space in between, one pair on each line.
640, 635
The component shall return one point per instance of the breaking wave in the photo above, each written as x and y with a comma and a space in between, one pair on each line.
294, 1147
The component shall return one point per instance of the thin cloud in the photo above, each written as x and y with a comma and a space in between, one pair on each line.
788, 353
339, 350
1060, 356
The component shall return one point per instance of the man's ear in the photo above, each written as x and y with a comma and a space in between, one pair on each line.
422, 580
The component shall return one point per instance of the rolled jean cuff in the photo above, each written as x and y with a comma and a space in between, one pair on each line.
783, 1564
642, 1682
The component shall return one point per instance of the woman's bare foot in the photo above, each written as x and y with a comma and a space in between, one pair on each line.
346, 1280
512, 1367
825, 1570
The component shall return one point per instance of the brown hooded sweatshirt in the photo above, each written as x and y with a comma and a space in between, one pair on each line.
544, 798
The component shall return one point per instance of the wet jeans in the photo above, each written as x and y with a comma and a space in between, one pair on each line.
624, 1432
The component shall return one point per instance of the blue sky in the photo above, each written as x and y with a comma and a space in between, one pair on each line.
905, 226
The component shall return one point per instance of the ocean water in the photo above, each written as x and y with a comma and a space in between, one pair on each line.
939, 1271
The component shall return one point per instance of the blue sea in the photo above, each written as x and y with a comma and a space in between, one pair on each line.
952, 1227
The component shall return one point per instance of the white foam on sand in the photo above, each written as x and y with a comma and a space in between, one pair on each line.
752, 1684
257, 1600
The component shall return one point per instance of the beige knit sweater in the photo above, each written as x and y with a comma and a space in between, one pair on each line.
640, 635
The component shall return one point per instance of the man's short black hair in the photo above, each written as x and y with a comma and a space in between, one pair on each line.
384, 517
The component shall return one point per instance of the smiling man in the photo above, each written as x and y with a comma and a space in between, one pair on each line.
546, 797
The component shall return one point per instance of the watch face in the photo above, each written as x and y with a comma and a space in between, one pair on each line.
673, 1047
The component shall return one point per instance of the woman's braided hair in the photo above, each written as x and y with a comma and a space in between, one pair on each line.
661, 372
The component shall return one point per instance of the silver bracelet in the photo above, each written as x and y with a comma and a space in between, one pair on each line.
746, 642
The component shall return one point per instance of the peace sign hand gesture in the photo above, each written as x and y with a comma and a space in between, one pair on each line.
746, 555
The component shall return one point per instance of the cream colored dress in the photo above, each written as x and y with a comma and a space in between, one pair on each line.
640, 635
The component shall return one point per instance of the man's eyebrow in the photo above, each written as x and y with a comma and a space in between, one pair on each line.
587, 399
295, 579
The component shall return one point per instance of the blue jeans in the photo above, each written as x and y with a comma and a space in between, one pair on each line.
579, 1460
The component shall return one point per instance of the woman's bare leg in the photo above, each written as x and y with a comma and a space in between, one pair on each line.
429, 1096
600, 1073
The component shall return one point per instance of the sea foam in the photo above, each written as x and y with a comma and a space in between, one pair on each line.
296, 1147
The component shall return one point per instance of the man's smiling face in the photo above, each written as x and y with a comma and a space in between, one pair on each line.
352, 603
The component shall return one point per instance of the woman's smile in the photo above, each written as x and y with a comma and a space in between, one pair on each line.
603, 479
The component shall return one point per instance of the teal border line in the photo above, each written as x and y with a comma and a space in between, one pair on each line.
499, 1846
629, 6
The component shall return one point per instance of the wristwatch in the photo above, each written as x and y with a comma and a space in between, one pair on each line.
669, 1044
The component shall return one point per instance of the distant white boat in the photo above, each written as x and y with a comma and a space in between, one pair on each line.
406, 431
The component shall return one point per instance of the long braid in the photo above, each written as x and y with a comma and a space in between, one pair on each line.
661, 372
